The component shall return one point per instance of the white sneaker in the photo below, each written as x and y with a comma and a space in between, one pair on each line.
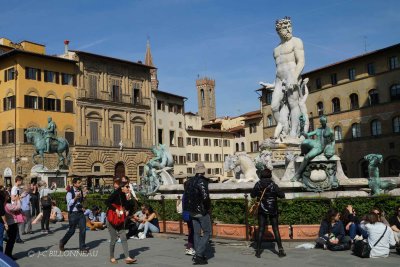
142, 236
190, 252
134, 237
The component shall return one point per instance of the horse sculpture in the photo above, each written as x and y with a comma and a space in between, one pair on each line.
36, 136
243, 163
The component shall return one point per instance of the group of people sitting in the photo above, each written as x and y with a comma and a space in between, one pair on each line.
341, 231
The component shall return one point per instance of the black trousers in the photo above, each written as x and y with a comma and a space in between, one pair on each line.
35, 207
76, 219
263, 222
12, 236
46, 219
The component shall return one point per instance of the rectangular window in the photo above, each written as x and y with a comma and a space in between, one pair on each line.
67, 79
371, 68
189, 170
195, 157
268, 98
207, 157
32, 74
9, 102
172, 138
352, 74
94, 133
209, 171
217, 157
70, 138
9, 74
180, 142
52, 104
135, 96
217, 142
253, 127
69, 106
195, 141
51, 76
160, 105
160, 136
138, 136
393, 62
188, 141
188, 157
93, 86
206, 142
180, 124
32, 102
333, 79
318, 83
116, 134
116, 93
180, 109
8, 137
182, 160
226, 143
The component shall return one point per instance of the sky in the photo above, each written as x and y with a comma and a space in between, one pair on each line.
230, 41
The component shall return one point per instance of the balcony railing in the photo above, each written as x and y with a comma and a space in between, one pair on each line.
145, 143
106, 96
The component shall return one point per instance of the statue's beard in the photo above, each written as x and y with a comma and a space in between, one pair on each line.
287, 36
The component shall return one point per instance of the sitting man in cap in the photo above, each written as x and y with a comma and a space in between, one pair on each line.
197, 202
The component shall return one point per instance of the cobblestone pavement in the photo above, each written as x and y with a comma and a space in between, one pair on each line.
168, 250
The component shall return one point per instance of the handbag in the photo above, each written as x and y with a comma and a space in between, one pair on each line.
362, 248
254, 208
112, 216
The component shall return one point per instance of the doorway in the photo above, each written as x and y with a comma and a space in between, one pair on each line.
119, 170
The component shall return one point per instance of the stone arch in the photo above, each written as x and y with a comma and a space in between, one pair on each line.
9, 92
50, 94
68, 96
10, 126
32, 91
117, 117
94, 115
97, 156
138, 120
32, 124
68, 127
141, 158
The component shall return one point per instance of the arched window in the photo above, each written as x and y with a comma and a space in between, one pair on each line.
373, 97
320, 108
242, 146
335, 105
364, 169
394, 167
356, 130
354, 101
338, 133
395, 92
396, 124
376, 128
237, 147
203, 100
270, 121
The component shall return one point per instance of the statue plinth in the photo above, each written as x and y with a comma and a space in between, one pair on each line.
320, 173
58, 176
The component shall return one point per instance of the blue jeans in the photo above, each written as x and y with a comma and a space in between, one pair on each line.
148, 226
76, 219
1, 237
355, 229
200, 242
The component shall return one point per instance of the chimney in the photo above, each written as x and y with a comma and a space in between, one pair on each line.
66, 43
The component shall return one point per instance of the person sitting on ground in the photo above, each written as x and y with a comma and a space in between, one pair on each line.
381, 215
395, 225
331, 232
56, 214
135, 221
95, 218
150, 223
377, 230
352, 224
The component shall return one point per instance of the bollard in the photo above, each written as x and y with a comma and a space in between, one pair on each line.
163, 213
246, 215
180, 220
290, 231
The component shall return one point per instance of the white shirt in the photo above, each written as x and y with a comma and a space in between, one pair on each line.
375, 231
14, 190
58, 212
45, 191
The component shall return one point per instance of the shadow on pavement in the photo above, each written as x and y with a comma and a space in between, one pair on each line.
32, 252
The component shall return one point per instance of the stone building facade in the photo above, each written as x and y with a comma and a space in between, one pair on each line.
360, 97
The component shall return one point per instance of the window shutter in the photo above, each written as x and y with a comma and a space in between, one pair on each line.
26, 73
5, 75
25, 139
40, 102
74, 80
58, 105
5, 104
26, 99
45, 103
13, 101
39, 74
57, 77
45, 75
4, 137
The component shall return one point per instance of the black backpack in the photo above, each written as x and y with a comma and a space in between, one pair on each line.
45, 201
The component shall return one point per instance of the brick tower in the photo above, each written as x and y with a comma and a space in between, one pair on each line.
206, 98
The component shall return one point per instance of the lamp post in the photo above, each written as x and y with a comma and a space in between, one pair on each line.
15, 116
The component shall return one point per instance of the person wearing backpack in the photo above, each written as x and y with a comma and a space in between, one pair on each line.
76, 218
380, 236
45, 203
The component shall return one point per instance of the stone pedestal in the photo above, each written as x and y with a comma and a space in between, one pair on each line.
50, 176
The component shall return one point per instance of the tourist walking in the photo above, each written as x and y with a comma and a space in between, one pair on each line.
26, 226
186, 218
75, 216
12, 210
45, 204
116, 213
197, 202
380, 236
267, 192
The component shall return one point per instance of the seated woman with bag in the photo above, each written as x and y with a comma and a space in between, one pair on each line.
380, 238
150, 223
331, 233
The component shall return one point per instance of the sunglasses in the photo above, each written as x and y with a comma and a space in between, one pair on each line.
127, 186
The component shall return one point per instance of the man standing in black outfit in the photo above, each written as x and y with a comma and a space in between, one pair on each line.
268, 191
197, 201
75, 216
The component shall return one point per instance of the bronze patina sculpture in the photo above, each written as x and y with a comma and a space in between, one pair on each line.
375, 182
